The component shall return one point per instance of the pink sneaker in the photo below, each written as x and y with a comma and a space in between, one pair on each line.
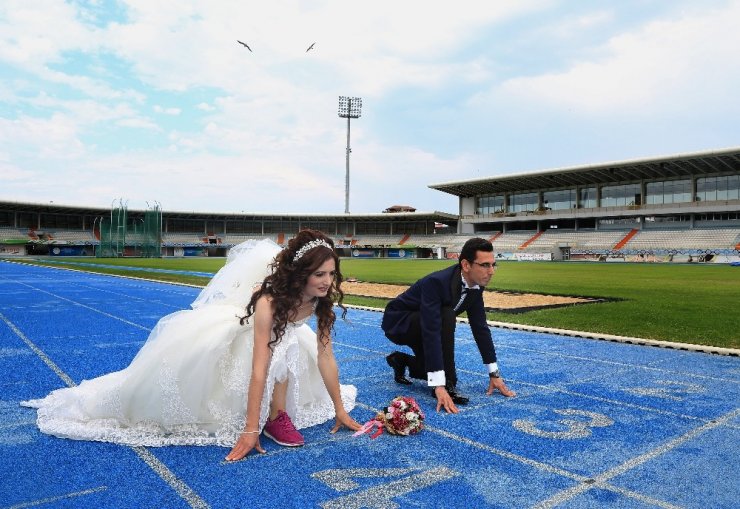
282, 431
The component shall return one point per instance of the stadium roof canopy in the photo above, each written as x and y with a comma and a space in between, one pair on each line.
52, 208
667, 167
418, 216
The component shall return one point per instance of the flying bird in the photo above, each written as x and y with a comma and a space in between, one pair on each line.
245, 45
310, 47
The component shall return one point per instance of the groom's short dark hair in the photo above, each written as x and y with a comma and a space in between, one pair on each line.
471, 247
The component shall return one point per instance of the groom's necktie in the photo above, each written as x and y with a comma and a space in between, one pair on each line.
463, 294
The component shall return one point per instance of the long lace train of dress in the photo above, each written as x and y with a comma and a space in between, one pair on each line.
188, 383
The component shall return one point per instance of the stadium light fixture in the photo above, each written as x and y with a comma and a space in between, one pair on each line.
349, 108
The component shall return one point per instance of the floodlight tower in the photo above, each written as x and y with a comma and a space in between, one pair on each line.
349, 107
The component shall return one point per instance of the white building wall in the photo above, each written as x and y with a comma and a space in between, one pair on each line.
467, 208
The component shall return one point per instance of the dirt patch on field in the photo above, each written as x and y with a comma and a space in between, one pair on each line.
508, 302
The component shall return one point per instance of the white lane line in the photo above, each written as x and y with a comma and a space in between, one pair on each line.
85, 306
568, 494
356, 379
613, 373
597, 398
157, 466
148, 300
616, 402
182, 489
45, 358
253, 456
338, 343
19, 424
103, 275
51, 500
100, 277
627, 365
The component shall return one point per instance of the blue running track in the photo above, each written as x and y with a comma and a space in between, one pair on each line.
595, 423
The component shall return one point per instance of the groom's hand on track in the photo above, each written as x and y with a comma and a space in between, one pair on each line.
498, 384
444, 400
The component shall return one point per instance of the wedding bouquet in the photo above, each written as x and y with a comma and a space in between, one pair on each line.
402, 417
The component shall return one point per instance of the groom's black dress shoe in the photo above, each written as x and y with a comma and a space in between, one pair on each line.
395, 361
457, 398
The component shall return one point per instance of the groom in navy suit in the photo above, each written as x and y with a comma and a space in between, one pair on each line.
423, 318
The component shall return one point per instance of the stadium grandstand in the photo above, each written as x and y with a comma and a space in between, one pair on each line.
683, 207
680, 208
59, 230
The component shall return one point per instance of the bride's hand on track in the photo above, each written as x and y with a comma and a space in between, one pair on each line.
344, 419
243, 446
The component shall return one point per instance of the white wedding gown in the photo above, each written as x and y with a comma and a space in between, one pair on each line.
188, 383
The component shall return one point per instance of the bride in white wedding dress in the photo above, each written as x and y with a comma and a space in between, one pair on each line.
237, 364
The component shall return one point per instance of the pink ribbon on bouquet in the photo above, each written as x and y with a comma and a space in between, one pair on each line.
368, 427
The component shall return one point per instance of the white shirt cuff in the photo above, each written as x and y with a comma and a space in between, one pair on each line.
436, 378
492, 367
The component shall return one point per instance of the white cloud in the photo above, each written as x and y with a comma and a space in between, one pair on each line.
53, 138
10, 172
175, 45
32, 34
138, 123
381, 176
654, 68
568, 28
92, 87
85, 113
167, 111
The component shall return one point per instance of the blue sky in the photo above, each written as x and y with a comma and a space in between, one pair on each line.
154, 100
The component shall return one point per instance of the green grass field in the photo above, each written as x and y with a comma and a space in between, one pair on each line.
683, 303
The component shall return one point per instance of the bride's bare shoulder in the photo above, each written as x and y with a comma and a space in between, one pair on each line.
264, 299
264, 304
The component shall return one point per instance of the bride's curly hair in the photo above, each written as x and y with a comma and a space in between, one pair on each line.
287, 280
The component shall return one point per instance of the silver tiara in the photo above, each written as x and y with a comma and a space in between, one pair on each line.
308, 247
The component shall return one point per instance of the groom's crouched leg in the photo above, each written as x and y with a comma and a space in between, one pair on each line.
457, 397
397, 361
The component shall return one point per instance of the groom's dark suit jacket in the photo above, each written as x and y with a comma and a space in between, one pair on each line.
428, 296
